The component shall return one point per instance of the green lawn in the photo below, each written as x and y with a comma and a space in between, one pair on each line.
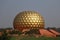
26, 37
34, 38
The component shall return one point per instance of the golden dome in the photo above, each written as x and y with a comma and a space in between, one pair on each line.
28, 19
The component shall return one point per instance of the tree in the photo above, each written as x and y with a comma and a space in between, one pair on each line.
4, 36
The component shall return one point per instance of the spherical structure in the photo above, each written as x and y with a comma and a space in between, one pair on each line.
28, 20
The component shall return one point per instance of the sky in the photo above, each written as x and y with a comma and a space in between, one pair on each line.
49, 9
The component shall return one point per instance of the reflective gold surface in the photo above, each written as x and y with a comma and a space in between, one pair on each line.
28, 19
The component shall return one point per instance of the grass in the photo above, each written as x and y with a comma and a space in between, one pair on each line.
34, 38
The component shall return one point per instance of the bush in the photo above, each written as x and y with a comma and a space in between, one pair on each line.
4, 36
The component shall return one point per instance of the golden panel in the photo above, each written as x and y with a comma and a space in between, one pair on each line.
28, 19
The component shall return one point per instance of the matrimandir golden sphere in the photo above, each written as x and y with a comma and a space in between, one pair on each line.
28, 20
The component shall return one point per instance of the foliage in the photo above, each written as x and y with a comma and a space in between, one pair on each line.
21, 37
16, 32
33, 31
4, 36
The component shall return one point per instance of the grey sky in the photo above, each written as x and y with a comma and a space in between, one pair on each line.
49, 9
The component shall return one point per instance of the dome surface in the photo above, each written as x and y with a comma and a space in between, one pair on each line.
28, 20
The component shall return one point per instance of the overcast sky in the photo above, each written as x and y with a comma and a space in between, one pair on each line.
49, 9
